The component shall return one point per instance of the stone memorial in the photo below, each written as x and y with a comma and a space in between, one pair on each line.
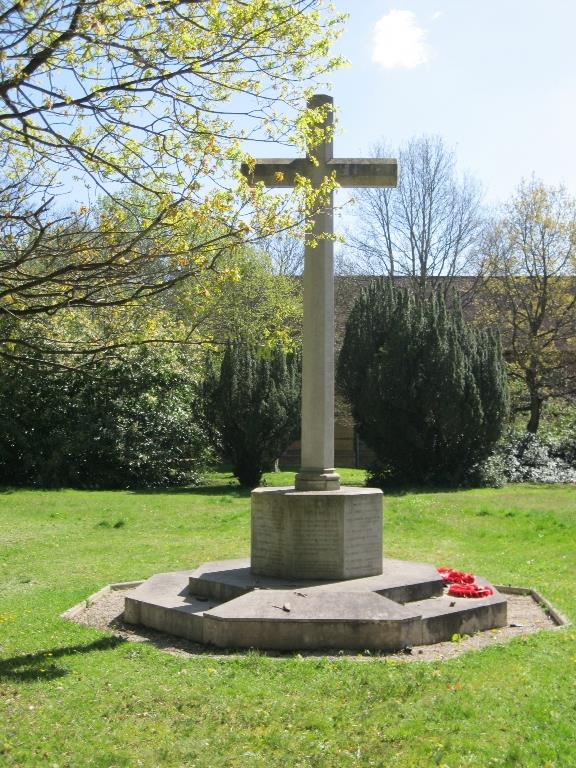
316, 577
316, 529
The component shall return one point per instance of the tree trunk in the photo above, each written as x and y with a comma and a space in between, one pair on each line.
535, 403
535, 413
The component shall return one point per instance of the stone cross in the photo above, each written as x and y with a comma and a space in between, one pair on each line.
317, 460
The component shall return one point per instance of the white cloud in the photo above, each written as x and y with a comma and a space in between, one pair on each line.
399, 43
437, 15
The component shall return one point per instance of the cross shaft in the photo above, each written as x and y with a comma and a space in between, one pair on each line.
317, 460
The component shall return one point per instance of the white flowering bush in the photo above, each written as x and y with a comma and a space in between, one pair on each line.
524, 457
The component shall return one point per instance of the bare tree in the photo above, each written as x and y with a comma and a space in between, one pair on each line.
529, 290
424, 228
286, 252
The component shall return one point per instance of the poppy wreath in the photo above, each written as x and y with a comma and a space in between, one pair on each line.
456, 577
463, 584
469, 590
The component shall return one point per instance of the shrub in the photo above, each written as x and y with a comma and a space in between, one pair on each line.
252, 406
527, 458
428, 393
123, 424
565, 449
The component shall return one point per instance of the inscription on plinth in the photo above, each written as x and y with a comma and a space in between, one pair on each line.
318, 535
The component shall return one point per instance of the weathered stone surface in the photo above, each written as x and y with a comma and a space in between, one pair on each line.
297, 620
399, 580
276, 614
227, 579
164, 603
318, 535
444, 617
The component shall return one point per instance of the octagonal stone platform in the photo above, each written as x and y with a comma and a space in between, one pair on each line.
398, 580
224, 605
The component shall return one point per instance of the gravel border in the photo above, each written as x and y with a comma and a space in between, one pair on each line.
528, 612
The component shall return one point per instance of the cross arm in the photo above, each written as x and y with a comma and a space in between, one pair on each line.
281, 172
276, 172
367, 172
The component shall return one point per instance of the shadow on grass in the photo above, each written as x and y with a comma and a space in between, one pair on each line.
41, 666
233, 489
399, 491
228, 486
218, 482
200, 490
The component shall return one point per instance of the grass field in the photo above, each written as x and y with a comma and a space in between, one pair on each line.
73, 696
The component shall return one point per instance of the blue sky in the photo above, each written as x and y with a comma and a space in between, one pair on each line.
496, 79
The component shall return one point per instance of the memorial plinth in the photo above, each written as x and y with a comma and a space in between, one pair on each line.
317, 529
317, 534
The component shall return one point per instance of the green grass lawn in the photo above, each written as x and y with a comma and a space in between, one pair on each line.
73, 696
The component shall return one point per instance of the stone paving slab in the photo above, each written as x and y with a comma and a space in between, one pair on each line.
274, 606
164, 603
290, 620
400, 580
444, 617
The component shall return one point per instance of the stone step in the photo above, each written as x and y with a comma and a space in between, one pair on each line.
163, 602
444, 617
342, 615
293, 620
400, 580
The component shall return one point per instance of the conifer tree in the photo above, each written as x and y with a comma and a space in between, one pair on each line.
252, 407
428, 392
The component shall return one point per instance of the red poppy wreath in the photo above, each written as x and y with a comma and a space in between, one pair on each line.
463, 584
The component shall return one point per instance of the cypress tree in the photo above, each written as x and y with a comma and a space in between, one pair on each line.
428, 392
252, 407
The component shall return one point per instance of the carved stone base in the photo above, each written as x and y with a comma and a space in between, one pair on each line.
317, 481
223, 605
316, 534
